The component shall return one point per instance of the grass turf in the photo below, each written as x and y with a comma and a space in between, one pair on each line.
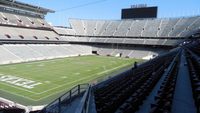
57, 76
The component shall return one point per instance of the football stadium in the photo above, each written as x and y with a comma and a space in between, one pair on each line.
137, 64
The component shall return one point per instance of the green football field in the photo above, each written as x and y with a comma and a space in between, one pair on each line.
40, 82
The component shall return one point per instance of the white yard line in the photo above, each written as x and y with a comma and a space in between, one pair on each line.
83, 78
80, 80
60, 85
18, 88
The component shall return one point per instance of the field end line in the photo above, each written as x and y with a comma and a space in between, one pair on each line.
18, 95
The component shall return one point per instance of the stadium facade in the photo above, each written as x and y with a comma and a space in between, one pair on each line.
152, 86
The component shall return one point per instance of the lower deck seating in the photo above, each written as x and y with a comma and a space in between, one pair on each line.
135, 100
15, 53
5, 106
194, 69
130, 52
9, 108
126, 94
164, 97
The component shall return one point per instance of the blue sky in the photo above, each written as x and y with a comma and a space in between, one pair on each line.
111, 9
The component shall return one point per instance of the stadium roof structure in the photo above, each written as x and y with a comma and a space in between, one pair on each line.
16, 6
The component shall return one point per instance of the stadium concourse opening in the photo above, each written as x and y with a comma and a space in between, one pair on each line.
142, 65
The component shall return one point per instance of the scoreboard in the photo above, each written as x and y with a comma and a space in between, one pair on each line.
139, 12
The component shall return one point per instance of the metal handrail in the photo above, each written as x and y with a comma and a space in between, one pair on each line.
84, 104
75, 91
